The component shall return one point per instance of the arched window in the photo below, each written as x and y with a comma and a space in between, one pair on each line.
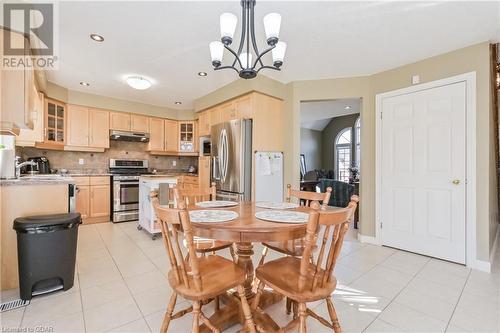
343, 154
357, 143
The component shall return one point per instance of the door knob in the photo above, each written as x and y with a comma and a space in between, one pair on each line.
455, 181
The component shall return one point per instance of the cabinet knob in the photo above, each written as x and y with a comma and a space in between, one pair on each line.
455, 181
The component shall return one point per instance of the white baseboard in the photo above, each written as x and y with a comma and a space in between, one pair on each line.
367, 239
481, 265
485, 266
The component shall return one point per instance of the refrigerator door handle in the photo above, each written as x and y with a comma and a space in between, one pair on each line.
226, 154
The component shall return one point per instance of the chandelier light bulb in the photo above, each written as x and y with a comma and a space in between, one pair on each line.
216, 53
279, 54
228, 23
246, 60
272, 24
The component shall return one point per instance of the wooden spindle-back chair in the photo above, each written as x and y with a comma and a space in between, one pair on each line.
192, 196
197, 279
295, 247
304, 281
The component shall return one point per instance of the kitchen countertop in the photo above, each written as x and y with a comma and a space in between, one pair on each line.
23, 181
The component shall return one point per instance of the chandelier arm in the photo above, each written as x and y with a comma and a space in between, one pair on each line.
261, 55
243, 33
249, 32
269, 67
254, 43
237, 59
226, 67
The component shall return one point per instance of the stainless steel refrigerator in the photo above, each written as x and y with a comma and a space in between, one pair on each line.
231, 156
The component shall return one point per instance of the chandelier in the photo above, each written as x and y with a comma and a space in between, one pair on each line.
243, 62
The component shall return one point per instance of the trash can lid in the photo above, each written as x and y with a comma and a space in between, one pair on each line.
45, 221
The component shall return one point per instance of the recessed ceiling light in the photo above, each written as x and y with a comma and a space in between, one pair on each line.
97, 38
347, 108
202, 74
178, 103
83, 83
138, 82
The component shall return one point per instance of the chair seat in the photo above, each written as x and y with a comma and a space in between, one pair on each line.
217, 275
205, 245
291, 248
283, 276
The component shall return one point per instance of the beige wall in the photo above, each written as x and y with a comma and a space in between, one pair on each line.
311, 146
472, 58
109, 103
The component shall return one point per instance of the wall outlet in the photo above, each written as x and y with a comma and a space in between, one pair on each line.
174, 163
81, 161
415, 79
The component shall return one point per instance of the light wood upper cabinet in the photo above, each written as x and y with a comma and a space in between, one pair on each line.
204, 123
87, 128
78, 126
187, 136
171, 136
27, 137
54, 123
244, 107
156, 134
139, 123
17, 98
99, 128
228, 111
120, 121
215, 116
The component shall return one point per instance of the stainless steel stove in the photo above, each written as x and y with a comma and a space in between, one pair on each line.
125, 193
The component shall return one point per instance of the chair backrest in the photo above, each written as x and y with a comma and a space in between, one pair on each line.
194, 195
307, 198
329, 226
174, 221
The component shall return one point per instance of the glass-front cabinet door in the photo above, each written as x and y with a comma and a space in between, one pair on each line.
55, 121
186, 136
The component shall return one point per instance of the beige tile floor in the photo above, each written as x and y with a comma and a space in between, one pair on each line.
120, 286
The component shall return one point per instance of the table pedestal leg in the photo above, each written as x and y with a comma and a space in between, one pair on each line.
231, 314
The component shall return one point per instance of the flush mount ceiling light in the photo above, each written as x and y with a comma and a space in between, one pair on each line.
178, 103
202, 74
83, 83
138, 82
242, 63
347, 108
97, 38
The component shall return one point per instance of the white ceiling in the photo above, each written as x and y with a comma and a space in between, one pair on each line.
168, 41
317, 115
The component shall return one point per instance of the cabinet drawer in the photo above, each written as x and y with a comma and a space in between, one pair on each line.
99, 180
81, 180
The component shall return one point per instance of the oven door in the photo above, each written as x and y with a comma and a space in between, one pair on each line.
125, 195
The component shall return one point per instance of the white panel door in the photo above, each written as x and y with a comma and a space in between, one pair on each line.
423, 159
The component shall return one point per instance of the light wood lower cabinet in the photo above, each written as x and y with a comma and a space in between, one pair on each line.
93, 198
83, 200
204, 171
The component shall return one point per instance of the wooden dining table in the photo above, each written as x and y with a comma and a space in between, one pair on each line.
243, 231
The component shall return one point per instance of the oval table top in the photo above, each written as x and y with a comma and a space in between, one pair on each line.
248, 228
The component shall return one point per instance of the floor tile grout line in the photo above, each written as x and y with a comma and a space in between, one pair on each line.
80, 291
459, 297
395, 296
123, 278
371, 269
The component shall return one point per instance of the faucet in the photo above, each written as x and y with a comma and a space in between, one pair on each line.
20, 165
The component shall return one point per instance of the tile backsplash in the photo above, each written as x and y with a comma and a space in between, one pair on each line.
99, 162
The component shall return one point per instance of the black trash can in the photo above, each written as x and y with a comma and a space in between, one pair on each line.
46, 249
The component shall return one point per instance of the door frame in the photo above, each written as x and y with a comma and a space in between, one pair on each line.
470, 148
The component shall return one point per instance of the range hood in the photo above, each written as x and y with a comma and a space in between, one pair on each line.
128, 136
